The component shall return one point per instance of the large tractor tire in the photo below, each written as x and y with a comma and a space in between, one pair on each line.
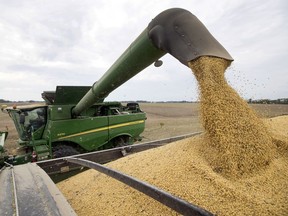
63, 151
121, 141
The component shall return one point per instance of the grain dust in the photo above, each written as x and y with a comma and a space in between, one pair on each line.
237, 167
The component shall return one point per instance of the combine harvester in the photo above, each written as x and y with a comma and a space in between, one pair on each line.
76, 120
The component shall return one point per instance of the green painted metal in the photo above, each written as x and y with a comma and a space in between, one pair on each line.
175, 31
78, 117
139, 55
99, 127
65, 95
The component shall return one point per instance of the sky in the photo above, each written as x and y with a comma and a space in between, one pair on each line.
45, 43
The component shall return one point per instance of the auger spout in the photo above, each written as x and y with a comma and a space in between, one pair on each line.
175, 31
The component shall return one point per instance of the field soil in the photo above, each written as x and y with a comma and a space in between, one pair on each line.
164, 120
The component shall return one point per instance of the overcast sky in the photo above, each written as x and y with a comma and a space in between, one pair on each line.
45, 43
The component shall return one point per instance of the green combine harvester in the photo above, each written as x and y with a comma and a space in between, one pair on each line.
76, 119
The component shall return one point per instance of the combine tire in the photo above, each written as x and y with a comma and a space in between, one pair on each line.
121, 141
63, 151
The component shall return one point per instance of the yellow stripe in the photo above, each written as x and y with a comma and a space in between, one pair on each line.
102, 129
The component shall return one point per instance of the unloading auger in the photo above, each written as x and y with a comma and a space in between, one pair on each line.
76, 120
175, 31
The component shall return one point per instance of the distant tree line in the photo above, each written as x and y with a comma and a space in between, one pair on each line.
144, 101
268, 101
259, 101
8, 101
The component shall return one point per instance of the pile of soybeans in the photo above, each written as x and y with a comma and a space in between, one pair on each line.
238, 166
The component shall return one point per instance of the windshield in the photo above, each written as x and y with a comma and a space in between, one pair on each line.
28, 121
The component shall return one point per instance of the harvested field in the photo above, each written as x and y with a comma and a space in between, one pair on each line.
172, 119
237, 167
164, 120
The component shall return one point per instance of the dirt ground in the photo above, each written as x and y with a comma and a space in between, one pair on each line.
171, 119
163, 120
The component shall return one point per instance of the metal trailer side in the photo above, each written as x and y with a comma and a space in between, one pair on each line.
28, 190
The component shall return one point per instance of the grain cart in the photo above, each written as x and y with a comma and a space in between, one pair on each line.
76, 119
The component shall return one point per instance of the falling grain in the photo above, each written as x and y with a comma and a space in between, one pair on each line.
237, 167
237, 140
